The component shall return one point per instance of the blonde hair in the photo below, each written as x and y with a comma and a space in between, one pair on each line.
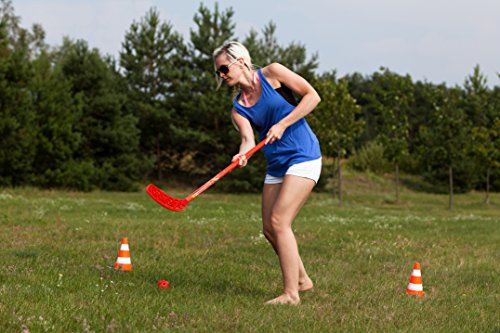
233, 51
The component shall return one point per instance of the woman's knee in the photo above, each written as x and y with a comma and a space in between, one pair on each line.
278, 224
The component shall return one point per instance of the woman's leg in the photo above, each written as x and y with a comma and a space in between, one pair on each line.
269, 196
286, 201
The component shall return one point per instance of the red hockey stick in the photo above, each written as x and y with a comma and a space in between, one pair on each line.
178, 205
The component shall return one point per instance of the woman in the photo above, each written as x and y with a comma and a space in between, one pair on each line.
265, 102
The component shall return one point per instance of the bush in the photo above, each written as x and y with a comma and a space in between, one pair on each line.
75, 175
370, 158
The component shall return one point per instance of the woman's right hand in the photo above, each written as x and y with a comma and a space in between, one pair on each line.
242, 160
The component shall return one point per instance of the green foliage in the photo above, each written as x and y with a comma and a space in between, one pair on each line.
494, 100
18, 128
359, 88
266, 50
476, 100
108, 129
206, 116
249, 179
484, 113
420, 113
445, 141
391, 96
152, 62
81, 175
486, 146
334, 120
154, 112
57, 116
370, 158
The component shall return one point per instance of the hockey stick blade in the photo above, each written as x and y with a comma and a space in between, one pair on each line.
178, 205
165, 200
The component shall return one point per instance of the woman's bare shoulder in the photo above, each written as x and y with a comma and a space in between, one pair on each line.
273, 73
274, 70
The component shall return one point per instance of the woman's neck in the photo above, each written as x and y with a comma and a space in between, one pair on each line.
250, 87
249, 83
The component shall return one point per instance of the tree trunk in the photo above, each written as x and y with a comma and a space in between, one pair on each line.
450, 173
339, 167
487, 199
397, 183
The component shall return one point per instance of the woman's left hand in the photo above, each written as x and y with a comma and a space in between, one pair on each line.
275, 133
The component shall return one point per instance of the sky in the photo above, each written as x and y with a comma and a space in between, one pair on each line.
438, 41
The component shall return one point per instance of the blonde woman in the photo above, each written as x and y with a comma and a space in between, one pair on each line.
265, 102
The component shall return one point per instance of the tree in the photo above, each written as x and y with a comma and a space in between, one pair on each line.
480, 108
266, 50
152, 62
444, 141
17, 119
57, 115
109, 148
207, 140
419, 114
212, 30
334, 120
391, 96
495, 171
476, 99
359, 88
486, 150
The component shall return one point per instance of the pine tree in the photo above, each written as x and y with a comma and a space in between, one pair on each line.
57, 116
109, 146
266, 50
152, 60
481, 112
209, 140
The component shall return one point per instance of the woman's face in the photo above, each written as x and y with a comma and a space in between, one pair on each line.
228, 70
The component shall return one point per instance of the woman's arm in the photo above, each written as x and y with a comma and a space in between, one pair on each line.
247, 137
310, 98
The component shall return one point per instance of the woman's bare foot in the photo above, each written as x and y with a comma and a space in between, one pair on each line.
306, 285
285, 299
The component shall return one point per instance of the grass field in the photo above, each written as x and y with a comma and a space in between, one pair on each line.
58, 248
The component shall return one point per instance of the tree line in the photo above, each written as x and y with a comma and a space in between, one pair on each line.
74, 118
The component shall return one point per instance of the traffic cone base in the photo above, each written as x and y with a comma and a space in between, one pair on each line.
415, 286
123, 261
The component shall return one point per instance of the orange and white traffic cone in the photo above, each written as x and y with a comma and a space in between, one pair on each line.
415, 286
123, 261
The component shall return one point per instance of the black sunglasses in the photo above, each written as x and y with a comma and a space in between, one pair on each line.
224, 69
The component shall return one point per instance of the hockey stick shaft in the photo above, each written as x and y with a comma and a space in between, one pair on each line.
224, 172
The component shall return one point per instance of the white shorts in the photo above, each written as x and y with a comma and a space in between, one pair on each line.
309, 169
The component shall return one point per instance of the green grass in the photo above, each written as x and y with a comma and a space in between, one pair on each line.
57, 249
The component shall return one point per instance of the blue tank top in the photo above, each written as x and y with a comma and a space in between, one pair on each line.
298, 144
